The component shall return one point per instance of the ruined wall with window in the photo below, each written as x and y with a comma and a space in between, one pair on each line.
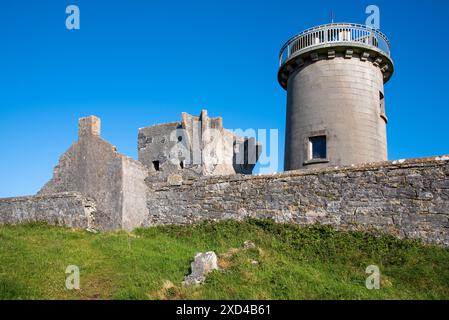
195, 146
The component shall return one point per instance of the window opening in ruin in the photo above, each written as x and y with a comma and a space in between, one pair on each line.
156, 165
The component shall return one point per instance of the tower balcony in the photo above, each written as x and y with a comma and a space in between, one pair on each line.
368, 43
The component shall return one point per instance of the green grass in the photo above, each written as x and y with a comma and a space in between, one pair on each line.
293, 263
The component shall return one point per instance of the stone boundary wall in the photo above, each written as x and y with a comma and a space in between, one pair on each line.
405, 198
69, 209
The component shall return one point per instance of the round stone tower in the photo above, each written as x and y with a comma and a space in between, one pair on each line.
334, 76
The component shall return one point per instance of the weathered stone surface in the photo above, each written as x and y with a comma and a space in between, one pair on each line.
195, 146
70, 209
248, 244
93, 167
174, 180
405, 198
201, 266
106, 190
317, 94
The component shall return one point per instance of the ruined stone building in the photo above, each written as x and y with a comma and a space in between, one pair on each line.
196, 146
193, 170
173, 152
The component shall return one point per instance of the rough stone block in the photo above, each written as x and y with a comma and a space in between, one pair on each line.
89, 126
175, 180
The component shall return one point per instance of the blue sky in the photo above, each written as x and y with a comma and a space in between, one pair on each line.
136, 63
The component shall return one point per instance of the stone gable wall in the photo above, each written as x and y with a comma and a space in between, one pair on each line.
93, 167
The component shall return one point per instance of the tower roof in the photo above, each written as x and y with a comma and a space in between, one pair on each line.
335, 36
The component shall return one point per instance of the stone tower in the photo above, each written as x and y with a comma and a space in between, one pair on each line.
334, 76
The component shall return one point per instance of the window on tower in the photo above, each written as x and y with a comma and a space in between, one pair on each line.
382, 106
317, 148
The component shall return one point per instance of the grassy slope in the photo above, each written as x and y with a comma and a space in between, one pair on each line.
294, 263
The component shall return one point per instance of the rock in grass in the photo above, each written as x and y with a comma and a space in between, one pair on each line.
91, 230
202, 265
248, 244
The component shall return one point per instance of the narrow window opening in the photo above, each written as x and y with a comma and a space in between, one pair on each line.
382, 106
317, 148
181, 164
156, 165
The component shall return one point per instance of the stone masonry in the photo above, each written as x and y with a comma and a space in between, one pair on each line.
93, 167
194, 169
117, 185
69, 209
96, 187
195, 146
407, 198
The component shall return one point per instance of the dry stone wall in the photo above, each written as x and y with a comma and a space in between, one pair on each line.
406, 198
69, 209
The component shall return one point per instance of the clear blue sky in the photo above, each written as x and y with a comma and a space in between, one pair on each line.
135, 63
